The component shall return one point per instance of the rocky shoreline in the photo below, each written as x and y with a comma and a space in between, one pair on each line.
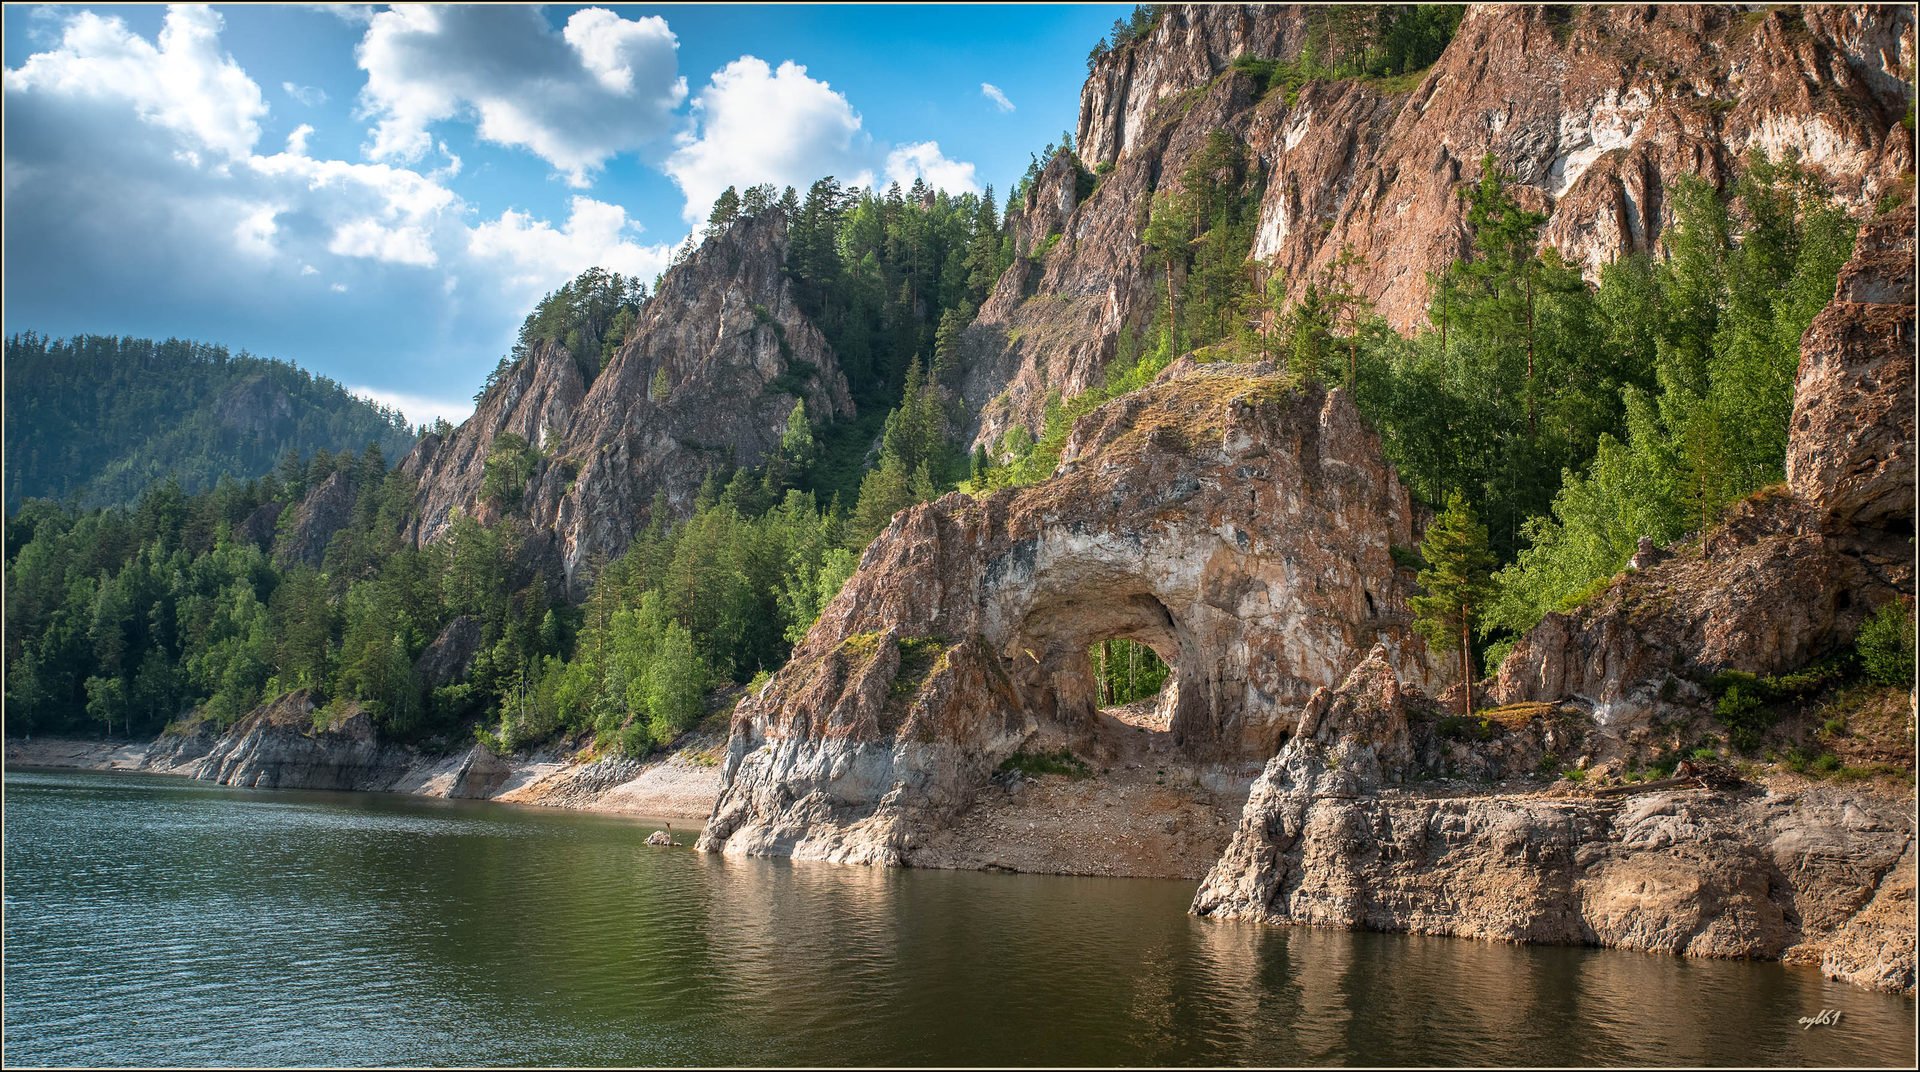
278, 747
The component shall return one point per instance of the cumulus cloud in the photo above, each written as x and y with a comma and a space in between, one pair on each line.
311, 96
419, 408
759, 124
601, 86
373, 264
182, 82
993, 94
532, 255
925, 161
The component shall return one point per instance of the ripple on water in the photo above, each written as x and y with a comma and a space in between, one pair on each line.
166, 922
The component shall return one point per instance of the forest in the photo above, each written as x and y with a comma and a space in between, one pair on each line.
101, 419
1547, 423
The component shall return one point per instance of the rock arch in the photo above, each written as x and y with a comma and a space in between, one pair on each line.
1240, 524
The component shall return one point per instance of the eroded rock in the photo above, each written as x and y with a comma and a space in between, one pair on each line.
1240, 526
706, 378
1327, 840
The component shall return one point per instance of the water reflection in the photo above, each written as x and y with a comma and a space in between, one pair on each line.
153, 921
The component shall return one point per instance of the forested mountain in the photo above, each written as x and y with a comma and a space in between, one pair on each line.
660, 492
102, 419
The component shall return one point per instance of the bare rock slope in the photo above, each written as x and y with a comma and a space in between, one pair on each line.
705, 379
1597, 111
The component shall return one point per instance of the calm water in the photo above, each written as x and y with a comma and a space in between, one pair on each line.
159, 921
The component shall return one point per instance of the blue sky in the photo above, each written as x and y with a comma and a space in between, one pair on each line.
380, 194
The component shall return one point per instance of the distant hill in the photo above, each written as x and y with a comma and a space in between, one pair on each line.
102, 418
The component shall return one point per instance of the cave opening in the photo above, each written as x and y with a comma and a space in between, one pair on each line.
1130, 684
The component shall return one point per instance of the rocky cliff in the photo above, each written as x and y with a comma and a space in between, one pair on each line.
1822, 873
1792, 573
1596, 111
1238, 524
704, 380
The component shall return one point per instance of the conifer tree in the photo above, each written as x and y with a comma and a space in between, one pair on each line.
1457, 580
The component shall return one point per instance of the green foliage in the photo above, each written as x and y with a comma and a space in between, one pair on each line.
1034, 764
1748, 704
590, 316
509, 465
1382, 43
1454, 585
1577, 421
99, 420
1126, 670
1885, 645
131, 618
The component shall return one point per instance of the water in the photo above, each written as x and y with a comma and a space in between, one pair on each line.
160, 921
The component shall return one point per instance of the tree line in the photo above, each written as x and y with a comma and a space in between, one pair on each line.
102, 418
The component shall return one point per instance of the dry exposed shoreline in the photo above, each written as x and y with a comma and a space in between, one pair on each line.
680, 786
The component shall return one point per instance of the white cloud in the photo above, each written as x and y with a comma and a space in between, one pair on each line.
924, 160
758, 124
532, 256
419, 409
999, 99
183, 84
355, 13
311, 96
100, 144
602, 86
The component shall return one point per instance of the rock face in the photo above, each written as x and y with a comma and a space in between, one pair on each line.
1239, 526
323, 512
451, 655
1825, 875
705, 379
278, 746
1791, 574
1851, 459
1817, 876
1597, 112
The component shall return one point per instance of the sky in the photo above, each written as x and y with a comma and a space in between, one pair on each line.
380, 195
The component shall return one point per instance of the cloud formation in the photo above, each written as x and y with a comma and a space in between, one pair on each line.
182, 83
311, 96
601, 86
924, 160
757, 124
993, 94
111, 136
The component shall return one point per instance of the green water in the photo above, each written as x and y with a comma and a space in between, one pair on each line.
160, 921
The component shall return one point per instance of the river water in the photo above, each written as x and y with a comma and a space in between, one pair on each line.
161, 921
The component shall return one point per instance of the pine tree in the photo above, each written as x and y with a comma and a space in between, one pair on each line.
1457, 580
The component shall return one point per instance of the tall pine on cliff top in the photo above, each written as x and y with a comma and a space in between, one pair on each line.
1457, 582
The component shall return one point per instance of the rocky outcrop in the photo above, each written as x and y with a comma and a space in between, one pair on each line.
1597, 112
279, 746
1820, 875
705, 380
1792, 573
1851, 458
1239, 525
447, 660
324, 511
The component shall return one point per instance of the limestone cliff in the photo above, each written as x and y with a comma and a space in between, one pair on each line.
1596, 111
1823, 874
704, 380
1326, 839
1240, 525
